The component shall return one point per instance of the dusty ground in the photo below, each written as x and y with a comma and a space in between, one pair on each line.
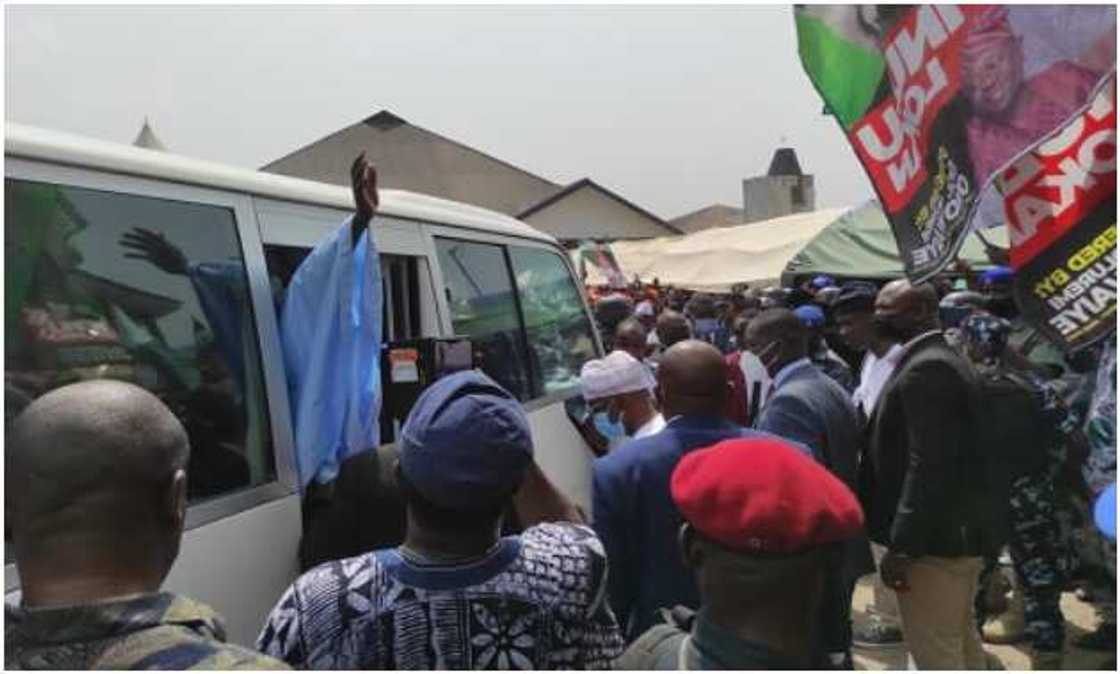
1080, 618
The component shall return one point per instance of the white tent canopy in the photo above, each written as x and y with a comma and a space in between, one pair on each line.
714, 260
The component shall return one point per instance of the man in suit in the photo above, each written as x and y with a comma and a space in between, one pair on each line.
809, 407
854, 312
634, 514
924, 483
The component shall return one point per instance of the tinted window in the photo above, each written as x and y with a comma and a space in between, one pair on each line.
558, 328
484, 307
145, 290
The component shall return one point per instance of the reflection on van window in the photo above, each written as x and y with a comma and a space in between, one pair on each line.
145, 290
483, 307
558, 327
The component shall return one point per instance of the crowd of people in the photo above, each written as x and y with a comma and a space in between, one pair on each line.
964, 434
760, 453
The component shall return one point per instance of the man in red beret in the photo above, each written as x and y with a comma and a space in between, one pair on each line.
759, 518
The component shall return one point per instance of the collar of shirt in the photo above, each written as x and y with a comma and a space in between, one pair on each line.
696, 421
713, 647
785, 373
873, 376
925, 335
89, 622
655, 424
437, 576
892, 356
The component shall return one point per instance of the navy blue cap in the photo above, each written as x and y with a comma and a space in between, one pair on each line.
856, 295
466, 442
810, 315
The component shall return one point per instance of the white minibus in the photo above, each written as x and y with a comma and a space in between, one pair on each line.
99, 239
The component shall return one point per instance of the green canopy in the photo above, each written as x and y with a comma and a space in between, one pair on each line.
860, 244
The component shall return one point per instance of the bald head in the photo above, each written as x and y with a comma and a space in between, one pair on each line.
672, 327
691, 380
904, 311
99, 464
630, 336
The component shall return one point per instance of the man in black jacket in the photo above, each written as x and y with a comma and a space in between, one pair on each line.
923, 483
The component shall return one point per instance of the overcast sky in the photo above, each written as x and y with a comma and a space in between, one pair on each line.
670, 106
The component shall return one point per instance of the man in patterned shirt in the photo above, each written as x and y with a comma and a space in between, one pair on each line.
96, 493
455, 595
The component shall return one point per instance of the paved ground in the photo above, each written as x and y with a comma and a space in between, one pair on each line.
1080, 618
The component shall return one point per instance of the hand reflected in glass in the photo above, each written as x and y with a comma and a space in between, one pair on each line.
153, 247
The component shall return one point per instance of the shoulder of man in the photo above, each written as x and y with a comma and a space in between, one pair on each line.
570, 550
557, 541
177, 647
309, 605
636, 451
1072, 79
756, 433
934, 357
553, 534
657, 647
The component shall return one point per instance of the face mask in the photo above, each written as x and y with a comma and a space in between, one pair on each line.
889, 331
611, 430
764, 355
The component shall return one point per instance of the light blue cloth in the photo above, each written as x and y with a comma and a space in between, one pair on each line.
330, 329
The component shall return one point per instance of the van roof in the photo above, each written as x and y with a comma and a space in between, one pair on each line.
63, 148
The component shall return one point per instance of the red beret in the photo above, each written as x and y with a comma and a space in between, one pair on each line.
763, 495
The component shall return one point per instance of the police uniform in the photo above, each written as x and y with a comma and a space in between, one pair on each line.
1040, 548
152, 631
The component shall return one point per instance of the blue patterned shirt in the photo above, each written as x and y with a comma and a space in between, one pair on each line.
535, 601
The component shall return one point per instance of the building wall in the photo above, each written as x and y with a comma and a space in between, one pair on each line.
589, 214
410, 158
768, 197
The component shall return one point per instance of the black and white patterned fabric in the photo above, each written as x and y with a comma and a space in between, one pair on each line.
536, 601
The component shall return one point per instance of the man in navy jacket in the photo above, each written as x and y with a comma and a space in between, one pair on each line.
809, 407
634, 514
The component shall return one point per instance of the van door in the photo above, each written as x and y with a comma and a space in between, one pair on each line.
360, 510
519, 302
164, 285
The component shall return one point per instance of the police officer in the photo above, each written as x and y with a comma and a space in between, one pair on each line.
1033, 420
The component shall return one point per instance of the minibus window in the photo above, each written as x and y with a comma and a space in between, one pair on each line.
555, 320
400, 308
103, 285
483, 307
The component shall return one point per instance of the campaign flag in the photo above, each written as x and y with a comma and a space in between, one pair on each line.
600, 258
938, 101
1059, 204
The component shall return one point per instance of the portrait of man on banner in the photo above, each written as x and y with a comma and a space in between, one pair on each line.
1011, 107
